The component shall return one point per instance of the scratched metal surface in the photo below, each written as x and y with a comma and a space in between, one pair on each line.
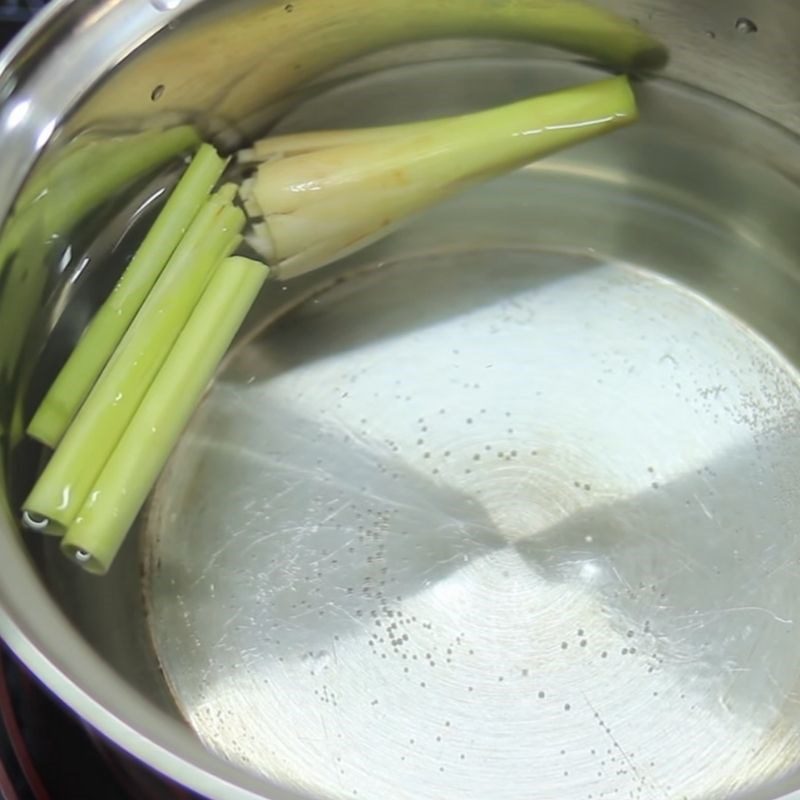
518, 541
506, 510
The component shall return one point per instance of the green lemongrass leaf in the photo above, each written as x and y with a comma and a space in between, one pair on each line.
79, 160
322, 200
104, 332
60, 195
88, 173
121, 488
88, 442
280, 53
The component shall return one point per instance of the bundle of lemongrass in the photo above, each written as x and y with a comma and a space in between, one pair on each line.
116, 409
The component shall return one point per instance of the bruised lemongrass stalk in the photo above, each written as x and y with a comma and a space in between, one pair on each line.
316, 197
108, 326
79, 458
128, 476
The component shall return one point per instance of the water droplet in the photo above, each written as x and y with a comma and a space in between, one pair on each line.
158, 92
711, 34
165, 5
746, 25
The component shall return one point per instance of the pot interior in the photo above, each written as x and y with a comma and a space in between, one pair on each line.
504, 504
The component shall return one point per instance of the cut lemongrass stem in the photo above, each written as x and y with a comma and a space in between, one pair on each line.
107, 327
36, 522
324, 195
77, 461
120, 490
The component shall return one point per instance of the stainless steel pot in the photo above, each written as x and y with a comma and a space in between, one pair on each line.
237, 66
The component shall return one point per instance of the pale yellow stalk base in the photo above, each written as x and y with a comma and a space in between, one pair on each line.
324, 195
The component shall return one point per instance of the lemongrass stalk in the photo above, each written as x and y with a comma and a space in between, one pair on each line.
120, 490
291, 144
58, 197
329, 196
77, 461
89, 172
323, 35
107, 327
